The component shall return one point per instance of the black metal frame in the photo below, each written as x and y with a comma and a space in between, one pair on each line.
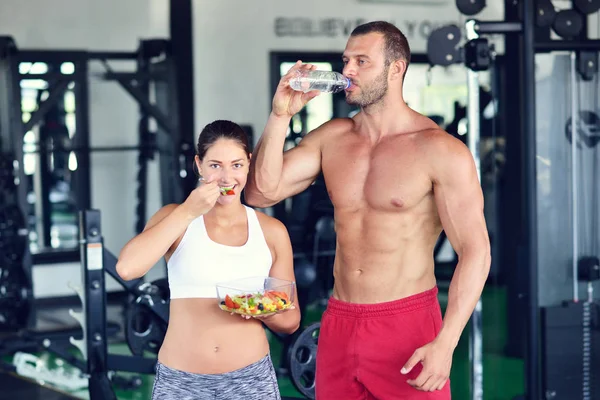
10, 114
175, 118
81, 176
524, 39
530, 43
96, 261
137, 85
182, 54
12, 145
532, 361
91, 339
94, 343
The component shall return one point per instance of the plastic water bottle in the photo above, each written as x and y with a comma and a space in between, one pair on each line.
324, 81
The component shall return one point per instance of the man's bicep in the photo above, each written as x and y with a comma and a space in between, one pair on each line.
459, 200
301, 166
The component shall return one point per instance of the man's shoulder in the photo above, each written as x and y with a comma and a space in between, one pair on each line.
445, 153
335, 125
437, 140
329, 131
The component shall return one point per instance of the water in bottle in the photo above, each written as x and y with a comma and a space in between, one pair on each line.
324, 81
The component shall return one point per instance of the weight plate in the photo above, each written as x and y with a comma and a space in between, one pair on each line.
587, 6
568, 24
470, 7
545, 13
144, 330
303, 360
442, 46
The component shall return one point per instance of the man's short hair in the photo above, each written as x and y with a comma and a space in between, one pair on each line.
396, 45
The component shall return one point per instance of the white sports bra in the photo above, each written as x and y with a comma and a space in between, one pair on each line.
199, 263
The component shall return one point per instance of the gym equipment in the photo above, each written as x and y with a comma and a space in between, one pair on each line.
303, 360
13, 232
568, 23
16, 292
588, 131
145, 331
17, 387
573, 326
476, 56
16, 296
546, 13
532, 21
470, 7
473, 60
442, 46
31, 366
587, 64
153, 78
310, 268
305, 271
571, 349
97, 365
316, 265
588, 269
96, 260
324, 244
587, 6
7, 178
148, 146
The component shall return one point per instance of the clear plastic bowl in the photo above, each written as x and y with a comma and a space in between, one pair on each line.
256, 295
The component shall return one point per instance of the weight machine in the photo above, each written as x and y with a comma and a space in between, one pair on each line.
96, 260
154, 69
527, 27
147, 317
67, 71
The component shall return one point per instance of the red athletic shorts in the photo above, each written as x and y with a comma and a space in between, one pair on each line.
362, 348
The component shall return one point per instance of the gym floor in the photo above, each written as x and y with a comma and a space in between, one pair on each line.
503, 376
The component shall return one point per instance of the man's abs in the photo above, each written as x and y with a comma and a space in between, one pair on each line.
383, 256
386, 217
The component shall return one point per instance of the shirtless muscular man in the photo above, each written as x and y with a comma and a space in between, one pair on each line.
395, 180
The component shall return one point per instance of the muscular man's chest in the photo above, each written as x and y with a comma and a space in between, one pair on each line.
385, 178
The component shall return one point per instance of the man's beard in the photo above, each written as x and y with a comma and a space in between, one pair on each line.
373, 94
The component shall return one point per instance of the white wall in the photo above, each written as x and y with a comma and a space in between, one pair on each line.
233, 40
95, 25
82, 24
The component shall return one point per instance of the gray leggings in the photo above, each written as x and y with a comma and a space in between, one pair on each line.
256, 381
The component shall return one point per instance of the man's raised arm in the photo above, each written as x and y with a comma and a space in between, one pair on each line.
275, 176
